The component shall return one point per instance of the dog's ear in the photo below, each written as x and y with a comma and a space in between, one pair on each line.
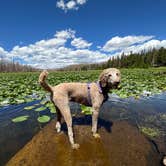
103, 79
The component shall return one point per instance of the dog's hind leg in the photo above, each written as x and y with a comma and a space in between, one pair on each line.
65, 111
59, 117
58, 114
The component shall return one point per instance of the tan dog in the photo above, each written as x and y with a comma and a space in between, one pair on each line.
93, 94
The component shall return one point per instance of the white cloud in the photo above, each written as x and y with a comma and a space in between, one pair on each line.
70, 4
65, 34
58, 52
119, 43
80, 43
81, 2
2, 52
61, 4
149, 45
53, 53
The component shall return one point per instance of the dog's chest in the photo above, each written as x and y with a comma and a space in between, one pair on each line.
79, 98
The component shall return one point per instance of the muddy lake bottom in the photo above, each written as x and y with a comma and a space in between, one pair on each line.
122, 142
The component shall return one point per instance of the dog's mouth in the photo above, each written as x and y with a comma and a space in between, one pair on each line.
115, 85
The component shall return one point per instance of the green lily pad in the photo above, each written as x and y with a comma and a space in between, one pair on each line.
28, 100
52, 110
19, 101
151, 132
51, 107
40, 109
20, 119
43, 119
86, 110
163, 116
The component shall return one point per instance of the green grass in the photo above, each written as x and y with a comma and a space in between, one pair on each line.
16, 87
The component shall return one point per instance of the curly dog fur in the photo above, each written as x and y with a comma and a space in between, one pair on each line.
63, 93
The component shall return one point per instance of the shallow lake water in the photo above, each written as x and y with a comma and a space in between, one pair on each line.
148, 112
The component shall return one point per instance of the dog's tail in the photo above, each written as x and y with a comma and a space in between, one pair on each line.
42, 81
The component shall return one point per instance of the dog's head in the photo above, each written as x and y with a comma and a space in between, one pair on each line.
110, 77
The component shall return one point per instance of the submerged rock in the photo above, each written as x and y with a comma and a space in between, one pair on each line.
123, 145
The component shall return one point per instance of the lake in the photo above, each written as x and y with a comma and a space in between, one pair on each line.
148, 114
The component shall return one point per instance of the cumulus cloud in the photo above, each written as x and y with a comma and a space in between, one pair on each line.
119, 43
65, 34
147, 46
70, 4
81, 2
53, 53
80, 43
64, 49
2, 52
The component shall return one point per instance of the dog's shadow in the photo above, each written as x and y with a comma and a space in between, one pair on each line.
87, 120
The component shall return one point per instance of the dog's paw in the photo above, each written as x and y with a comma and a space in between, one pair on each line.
75, 146
96, 135
58, 127
58, 130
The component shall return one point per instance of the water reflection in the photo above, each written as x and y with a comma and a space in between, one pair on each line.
145, 112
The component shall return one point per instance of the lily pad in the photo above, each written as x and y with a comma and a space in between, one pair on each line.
151, 132
52, 110
19, 101
43, 119
163, 116
40, 109
20, 119
86, 110
51, 107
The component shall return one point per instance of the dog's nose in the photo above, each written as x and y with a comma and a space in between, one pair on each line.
117, 82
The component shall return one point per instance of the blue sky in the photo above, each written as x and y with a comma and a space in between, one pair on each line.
99, 24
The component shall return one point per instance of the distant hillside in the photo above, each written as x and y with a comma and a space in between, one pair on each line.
153, 58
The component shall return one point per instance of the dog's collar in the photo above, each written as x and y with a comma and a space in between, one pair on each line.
89, 96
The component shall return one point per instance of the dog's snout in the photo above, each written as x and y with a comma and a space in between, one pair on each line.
118, 82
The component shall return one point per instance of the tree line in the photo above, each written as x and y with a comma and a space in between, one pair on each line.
152, 58
7, 66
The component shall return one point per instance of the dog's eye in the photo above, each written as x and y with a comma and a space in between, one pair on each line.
109, 75
117, 74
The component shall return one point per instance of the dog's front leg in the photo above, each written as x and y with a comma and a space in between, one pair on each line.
95, 115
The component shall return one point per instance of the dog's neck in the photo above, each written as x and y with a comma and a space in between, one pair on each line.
105, 91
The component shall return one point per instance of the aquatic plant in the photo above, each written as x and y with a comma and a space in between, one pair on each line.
86, 110
51, 107
20, 119
40, 109
151, 132
23, 87
29, 107
43, 119
163, 116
